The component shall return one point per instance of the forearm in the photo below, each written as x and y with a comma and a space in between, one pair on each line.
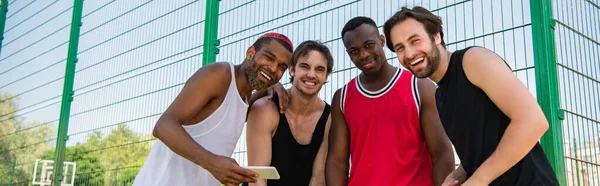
317, 180
174, 136
258, 157
443, 165
336, 173
515, 144
318, 172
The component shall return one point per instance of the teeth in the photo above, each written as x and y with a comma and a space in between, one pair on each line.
265, 75
417, 61
309, 83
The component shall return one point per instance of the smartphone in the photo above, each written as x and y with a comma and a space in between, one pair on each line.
265, 172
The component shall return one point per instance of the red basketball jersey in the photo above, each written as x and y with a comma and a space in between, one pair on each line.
387, 146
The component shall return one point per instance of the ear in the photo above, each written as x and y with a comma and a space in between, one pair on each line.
382, 39
292, 71
438, 39
250, 52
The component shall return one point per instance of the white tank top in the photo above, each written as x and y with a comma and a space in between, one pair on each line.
218, 133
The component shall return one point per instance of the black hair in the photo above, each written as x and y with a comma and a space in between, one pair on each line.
356, 22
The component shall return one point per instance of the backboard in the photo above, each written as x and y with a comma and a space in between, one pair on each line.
42, 173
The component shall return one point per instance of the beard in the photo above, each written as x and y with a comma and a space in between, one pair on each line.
433, 61
252, 76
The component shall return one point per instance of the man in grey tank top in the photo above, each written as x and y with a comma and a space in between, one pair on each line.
491, 118
203, 94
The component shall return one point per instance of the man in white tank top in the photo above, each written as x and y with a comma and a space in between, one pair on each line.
199, 130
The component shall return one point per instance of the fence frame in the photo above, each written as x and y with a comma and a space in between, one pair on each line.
67, 95
211, 29
546, 79
3, 12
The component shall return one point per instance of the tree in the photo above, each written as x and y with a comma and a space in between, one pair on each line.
122, 155
111, 160
20, 143
114, 159
89, 171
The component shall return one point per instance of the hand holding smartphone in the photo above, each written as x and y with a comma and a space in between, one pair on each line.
265, 172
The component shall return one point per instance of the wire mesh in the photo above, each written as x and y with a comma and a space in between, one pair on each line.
505, 29
135, 56
31, 75
577, 46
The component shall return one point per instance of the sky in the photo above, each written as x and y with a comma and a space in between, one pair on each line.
134, 56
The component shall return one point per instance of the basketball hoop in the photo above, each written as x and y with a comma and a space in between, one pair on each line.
45, 173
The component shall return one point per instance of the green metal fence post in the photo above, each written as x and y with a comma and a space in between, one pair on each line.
3, 11
542, 25
67, 95
211, 27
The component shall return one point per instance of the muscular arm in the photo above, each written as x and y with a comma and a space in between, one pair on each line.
488, 71
262, 122
318, 172
439, 145
336, 166
186, 105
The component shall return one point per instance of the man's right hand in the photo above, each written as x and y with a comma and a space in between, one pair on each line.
228, 172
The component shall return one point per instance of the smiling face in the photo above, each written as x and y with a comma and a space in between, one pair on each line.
310, 73
364, 45
417, 50
266, 66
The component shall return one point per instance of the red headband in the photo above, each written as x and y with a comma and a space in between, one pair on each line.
280, 37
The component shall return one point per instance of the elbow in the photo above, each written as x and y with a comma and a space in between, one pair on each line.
542, 124
158, 128
156, 131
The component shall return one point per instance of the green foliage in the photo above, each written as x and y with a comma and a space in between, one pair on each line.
114, 159
20, 143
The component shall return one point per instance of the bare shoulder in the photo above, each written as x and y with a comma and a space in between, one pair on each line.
265, 106
264, 114
336, 98
218, 71
481, 64
215, 75
425, 84
479, 55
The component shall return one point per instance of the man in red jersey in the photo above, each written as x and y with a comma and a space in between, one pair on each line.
385, 119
